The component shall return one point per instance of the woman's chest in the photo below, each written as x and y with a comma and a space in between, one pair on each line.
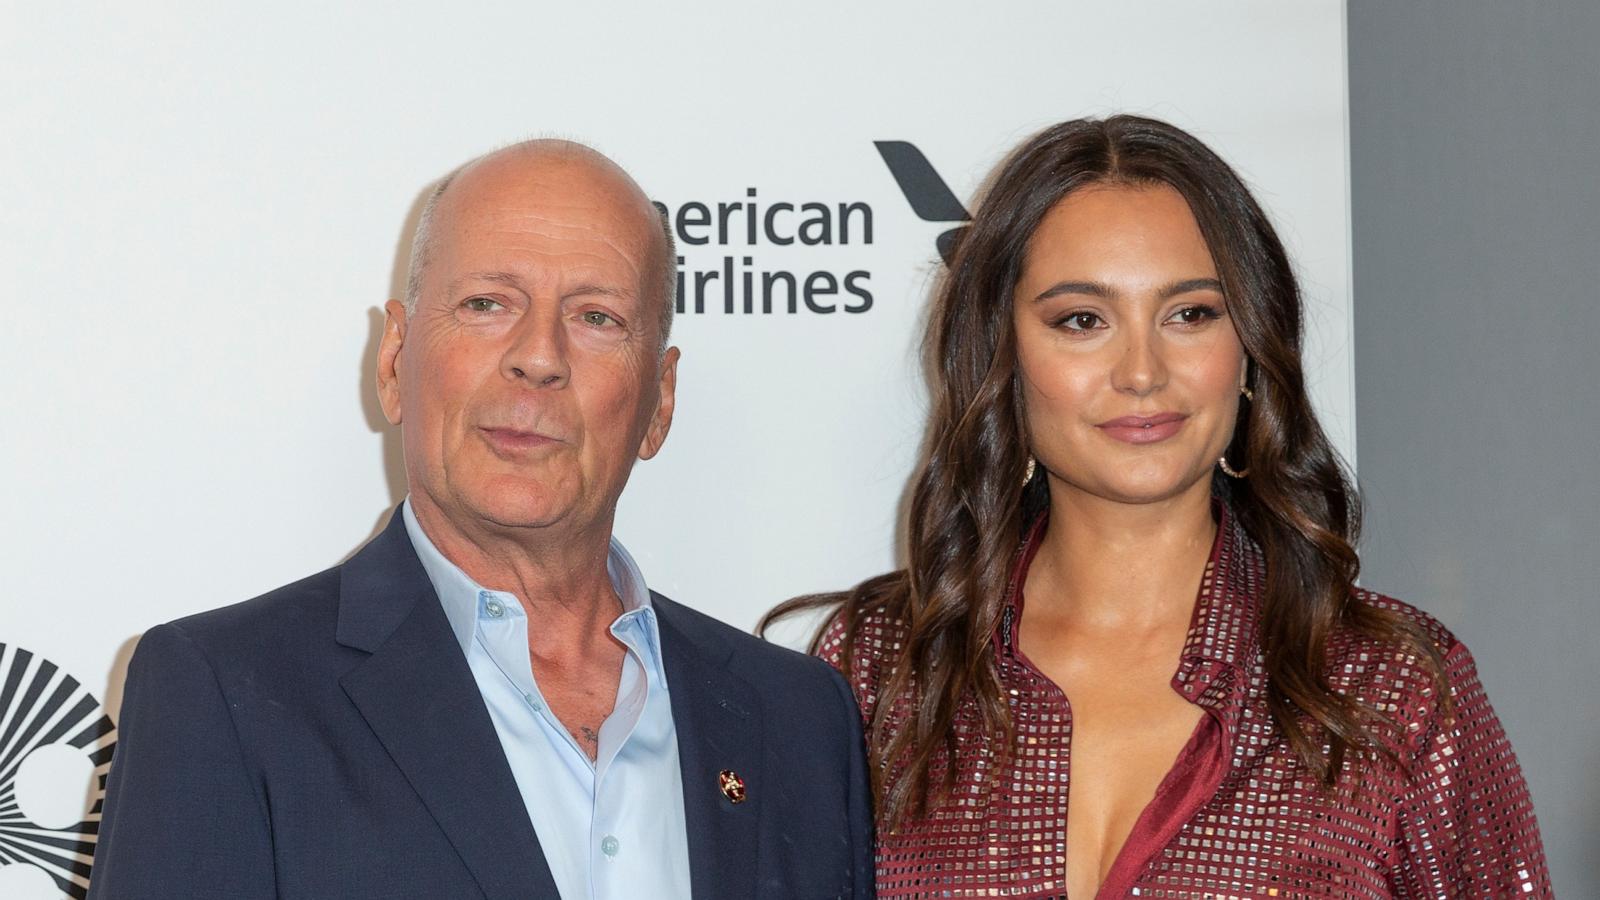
1236, 814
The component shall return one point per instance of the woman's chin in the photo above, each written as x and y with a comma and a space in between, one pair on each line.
1143, 488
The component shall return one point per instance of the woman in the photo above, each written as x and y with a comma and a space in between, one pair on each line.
1128, 656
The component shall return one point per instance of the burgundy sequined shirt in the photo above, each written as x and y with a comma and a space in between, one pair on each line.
1238, 815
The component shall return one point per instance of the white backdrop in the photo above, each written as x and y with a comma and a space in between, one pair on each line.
204, 208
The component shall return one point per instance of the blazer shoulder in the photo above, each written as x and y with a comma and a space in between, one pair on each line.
755, 659
264, 624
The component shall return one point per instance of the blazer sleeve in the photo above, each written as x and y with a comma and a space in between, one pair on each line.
1467, 827
862, 840
183, 817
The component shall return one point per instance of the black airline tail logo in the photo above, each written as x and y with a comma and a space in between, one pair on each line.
930, 198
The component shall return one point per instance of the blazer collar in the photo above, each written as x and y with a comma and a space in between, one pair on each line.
379, 587
418, 695
718, 718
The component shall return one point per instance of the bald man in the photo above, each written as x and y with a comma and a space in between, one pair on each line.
487, 700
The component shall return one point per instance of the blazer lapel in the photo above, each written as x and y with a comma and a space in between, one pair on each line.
419, 697
718, 720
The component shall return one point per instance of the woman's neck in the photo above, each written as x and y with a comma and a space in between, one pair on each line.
1125, 567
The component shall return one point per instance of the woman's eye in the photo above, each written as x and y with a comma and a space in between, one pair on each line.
1079, 321
597, 318
481, 304
1195, 315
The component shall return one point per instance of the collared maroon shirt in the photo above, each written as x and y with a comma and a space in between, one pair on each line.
1238, 815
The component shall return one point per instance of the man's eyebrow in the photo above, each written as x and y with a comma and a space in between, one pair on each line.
510, 280
505, 278
601, 289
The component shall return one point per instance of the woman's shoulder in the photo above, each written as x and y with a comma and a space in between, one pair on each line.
1467, 801
863, 640
1413, 676
868, 636
1425, 625
1399, 642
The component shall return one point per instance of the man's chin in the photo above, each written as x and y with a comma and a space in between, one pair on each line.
515, 503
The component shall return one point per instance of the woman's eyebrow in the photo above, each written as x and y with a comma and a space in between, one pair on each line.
1087, 288
1191, 284
1106, 292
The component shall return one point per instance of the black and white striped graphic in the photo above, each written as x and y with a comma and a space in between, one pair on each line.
42, 706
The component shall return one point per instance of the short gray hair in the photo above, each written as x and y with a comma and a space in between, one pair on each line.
422, 240
665, 275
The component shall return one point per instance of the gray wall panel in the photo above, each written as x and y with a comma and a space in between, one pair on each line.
1475, 178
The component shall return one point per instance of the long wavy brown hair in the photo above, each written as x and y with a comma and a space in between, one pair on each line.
967, 512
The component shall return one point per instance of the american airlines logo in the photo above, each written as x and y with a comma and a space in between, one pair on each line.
735, 273
929, 196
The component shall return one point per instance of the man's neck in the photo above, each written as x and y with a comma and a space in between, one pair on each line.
558, 574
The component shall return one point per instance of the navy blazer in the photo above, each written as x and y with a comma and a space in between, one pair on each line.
328, 741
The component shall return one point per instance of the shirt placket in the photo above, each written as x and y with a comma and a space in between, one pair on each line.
1205, 755
610, 835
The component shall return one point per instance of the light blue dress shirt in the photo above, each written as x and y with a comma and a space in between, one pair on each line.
613, 828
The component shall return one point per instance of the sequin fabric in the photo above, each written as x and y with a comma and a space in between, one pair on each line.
1239, 816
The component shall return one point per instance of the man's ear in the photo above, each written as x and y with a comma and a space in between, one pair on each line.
661, 422
394, 336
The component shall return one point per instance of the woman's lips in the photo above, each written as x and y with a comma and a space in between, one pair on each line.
1144, 429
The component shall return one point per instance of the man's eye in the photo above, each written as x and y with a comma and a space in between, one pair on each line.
1079, 321
597, 318
481, 304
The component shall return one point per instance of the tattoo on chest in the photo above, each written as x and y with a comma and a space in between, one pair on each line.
590, 736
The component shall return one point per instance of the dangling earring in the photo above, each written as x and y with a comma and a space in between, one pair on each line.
1228, 470
1223, 459
1027, 472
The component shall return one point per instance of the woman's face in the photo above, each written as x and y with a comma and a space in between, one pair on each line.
1129, 362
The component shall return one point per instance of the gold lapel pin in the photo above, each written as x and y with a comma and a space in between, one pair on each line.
732, 785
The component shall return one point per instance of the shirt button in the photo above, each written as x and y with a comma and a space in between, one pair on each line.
609, 845
533, 702
494, 609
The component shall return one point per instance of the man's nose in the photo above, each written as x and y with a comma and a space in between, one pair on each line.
538, 351
1142, 367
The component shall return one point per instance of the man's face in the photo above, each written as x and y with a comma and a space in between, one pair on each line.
528, 378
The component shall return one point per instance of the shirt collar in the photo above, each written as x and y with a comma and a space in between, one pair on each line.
1225, 626
461, 596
